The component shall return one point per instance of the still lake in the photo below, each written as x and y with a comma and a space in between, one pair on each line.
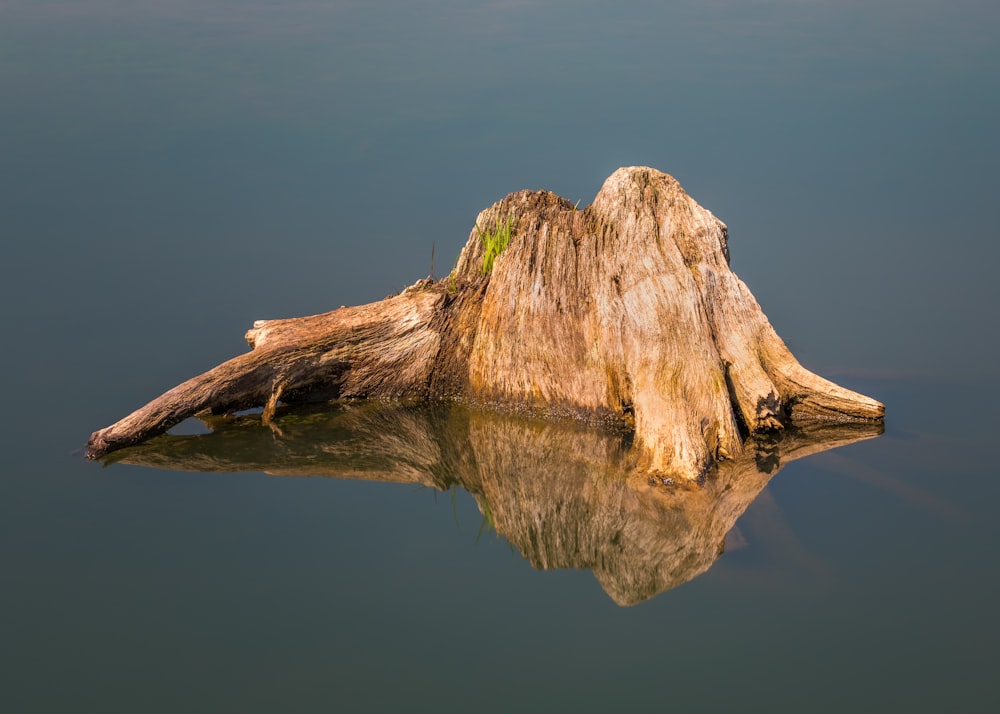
172, 171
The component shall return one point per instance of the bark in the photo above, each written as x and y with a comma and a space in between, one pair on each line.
625, 311
565, 494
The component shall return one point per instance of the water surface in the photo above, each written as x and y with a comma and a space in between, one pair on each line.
173, 171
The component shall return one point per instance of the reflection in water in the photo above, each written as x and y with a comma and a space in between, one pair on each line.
565, 494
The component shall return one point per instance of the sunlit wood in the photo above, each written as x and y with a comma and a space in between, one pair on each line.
625, 311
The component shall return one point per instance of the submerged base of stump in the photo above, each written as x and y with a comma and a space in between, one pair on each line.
623, 311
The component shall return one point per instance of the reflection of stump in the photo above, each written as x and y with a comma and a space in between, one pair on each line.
565, 494
626, 310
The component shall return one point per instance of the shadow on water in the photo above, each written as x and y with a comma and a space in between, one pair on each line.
565, 494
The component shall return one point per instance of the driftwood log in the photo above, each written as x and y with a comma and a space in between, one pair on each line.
624, 311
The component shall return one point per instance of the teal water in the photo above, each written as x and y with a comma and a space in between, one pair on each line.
170, 172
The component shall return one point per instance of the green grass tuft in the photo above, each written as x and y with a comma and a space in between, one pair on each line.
496, 240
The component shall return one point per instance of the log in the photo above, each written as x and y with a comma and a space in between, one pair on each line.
625, 311
565, 494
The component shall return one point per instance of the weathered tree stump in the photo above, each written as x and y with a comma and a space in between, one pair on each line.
626, 310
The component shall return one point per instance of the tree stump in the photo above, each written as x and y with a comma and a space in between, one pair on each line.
624, 311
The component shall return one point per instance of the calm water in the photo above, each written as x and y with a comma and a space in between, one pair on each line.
172, 171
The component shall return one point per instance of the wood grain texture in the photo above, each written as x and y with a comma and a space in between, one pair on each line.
624, 311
